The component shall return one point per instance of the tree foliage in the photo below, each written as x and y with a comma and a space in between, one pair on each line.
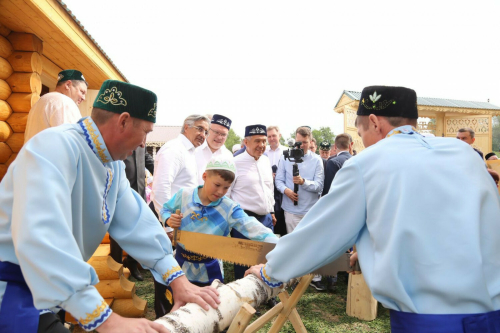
324, 134
232, 139
496, 133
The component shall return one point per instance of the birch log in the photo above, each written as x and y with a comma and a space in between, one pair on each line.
193, 319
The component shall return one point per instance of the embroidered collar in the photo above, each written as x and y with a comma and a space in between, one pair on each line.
94, 139
406, 129
196, 199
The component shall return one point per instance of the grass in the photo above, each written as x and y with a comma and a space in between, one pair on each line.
321, 312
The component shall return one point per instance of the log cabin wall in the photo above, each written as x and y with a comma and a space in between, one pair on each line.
20, 87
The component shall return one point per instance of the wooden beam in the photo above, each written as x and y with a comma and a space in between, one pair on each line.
5, 90
4, 31
25, 42
25, 82
243, 317
5, 110
5, 69
16, 142
6, 48
17, 121
22, 102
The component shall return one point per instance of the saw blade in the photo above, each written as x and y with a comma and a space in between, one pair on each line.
236, 250
247, 252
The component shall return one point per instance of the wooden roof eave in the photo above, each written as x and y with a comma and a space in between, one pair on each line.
65, 42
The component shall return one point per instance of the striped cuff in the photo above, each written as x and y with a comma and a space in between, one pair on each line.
172, 274
267, 280
96, 318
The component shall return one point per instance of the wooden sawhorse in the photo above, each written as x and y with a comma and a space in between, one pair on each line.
285, 310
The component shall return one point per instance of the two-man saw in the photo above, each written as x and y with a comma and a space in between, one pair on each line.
247, 252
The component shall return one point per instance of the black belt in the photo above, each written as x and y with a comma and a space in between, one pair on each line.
257, 216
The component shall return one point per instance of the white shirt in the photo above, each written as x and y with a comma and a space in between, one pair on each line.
52, 109
274, 155
203, 155
253, 187
175, 168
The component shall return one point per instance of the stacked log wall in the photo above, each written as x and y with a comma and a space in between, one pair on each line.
20, 87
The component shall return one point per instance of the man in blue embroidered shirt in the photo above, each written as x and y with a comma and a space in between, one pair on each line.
206, 209
65, 190
427, 252
310, 181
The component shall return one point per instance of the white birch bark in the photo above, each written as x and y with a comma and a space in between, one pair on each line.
191, 318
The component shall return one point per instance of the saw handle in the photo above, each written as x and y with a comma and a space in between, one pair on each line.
174, 241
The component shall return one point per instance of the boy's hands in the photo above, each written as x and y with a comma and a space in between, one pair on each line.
174, 221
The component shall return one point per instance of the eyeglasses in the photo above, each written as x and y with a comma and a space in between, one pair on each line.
200, 129
217, 133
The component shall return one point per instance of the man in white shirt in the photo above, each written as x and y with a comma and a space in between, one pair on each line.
253, 186
274, 152
175, 163
214, 144
60, 106
175, 168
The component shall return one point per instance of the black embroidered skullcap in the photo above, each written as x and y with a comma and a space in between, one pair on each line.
325, 145
489, 155
221, 120
388, 102
255, 130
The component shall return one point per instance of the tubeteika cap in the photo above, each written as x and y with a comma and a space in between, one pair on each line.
221, 163
325, 145
388, 102
70, 74
255, 130
221, 120
119, 97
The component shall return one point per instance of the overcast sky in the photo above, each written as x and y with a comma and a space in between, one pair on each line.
287, 63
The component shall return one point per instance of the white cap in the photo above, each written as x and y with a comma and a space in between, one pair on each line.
221, 163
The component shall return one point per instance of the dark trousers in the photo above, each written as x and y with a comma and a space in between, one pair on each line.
162, 303
50, 322
266, 220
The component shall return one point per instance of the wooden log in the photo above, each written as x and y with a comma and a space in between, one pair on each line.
117, 289
243, 317
25, 42
106, 268
105, 240
5, 153
27, 62
17, 121
49, 68
25, 82
16, 142
5, 110
10, 160
5, 47
3, 170
131, 308
102, 250
5, 69
5, 90
5, 131
249, 290
4, 31
360, 301
22, 102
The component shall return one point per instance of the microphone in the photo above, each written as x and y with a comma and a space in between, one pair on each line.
291, 142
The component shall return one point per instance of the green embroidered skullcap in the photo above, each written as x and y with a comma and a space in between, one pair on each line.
119, 97
221, 163
70, 74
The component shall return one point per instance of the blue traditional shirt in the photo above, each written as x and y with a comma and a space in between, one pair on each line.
311, 169
57, 201
424, 214
218, 218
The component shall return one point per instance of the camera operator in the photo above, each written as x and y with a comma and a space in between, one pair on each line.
310, 181
310, 185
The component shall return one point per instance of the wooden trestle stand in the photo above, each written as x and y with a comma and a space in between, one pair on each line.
283, 311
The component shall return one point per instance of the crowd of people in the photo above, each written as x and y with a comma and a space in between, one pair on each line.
428, 253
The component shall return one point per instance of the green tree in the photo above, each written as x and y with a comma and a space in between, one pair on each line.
496, 133
282, 141
323, 134
232, 139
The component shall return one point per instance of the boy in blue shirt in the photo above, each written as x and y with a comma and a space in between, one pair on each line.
206, 209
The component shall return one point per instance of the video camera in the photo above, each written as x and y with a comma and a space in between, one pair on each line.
294, 154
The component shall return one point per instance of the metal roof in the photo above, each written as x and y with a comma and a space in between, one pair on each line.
91, 38
452, 103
